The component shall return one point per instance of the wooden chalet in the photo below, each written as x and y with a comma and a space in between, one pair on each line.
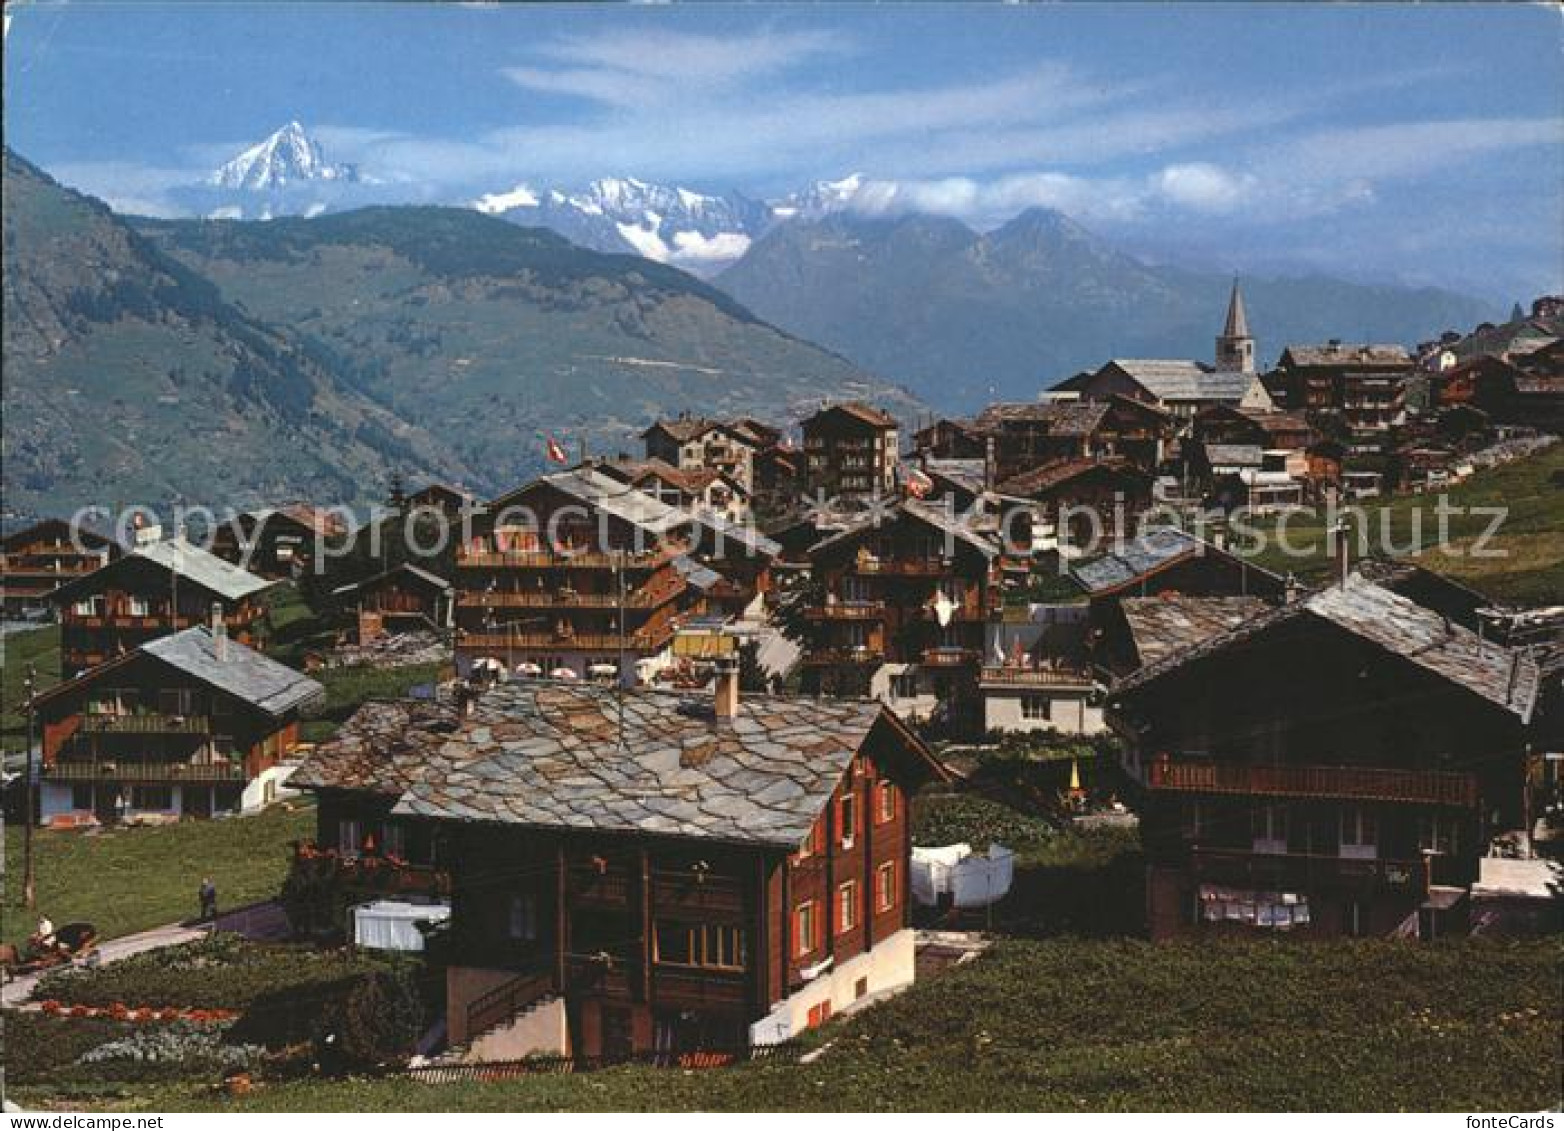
1336, 766
1505, 393
38, 559
451, 502
187, 725
404, 598
1181, 388
1115, 491
700, 489
900, 610
696, 443
152, 591
1029, 434
1365, 386
278, 542
850, 449
637, 871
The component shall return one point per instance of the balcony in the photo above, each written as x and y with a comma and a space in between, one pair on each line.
566, 559
949, 657
564, 598
136, 770
1429, 787
904, 567
1035, 677
690, 987
1304, 872
847, 610
552, 642
146, 724
832, 657
688, 894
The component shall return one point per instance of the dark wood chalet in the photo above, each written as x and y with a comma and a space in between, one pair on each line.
279, 542
640, 870
40, 558
1336, 766
899, 609
187, 725
850, 449
154, 590
1093, 497
403, 599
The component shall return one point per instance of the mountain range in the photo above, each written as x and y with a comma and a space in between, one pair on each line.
237, 362
963, 318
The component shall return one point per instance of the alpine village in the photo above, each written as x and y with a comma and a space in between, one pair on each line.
851, 757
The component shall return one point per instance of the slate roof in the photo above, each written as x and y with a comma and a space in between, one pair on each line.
1235, 455
683, 429
1506, 678
595, 490
930, 514
746, 536
406, 567
190, 562
1061, 418
864, 412
244, 673
1170, 623
1050, 475
546, 754
1146, 553
1186, 380
1345, 354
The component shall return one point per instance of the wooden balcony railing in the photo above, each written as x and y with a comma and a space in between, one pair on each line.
135, 770
1302, 871
566, 598
1431, 787
566, 559
830, 657
943, 657
690, 893
1035, 677
146, 724
552, 642
905, 567
847, 610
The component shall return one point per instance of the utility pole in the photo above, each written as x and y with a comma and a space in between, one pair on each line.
29, 892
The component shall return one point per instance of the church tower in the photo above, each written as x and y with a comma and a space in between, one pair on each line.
1235, 348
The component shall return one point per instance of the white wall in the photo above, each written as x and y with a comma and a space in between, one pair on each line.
890, 965
1069, 712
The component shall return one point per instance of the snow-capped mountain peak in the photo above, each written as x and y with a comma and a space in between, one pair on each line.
820, 199
290, 156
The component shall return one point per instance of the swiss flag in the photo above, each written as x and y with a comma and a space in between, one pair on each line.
556, 451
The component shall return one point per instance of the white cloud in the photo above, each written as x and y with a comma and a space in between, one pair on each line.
521, 196
692, 247
1204, 187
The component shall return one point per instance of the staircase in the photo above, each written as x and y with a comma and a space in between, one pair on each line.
518, 1017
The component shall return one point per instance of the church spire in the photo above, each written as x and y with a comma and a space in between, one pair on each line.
1235, 346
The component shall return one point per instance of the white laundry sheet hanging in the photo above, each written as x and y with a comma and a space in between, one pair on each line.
970, 879
390, 924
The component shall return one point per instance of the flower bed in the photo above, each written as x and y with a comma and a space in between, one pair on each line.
141, 1014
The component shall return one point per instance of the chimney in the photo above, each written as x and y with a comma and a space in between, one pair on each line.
1343, 551
727, 699
219, 633
989, 461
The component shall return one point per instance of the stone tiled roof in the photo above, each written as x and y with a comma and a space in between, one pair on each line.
941, 519
1507, 678
243, 673
864, 412
597, 491
1060, 418
1346, 354
1186, 380
1165, 625
683, 429
1235, 455
1143, 555
190, 562
1050, 475
548, 754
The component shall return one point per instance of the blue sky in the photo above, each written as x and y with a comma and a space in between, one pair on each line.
1411, 143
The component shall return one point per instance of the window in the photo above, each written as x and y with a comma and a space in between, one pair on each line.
137, 606
855, 634
522, 922
151, 797
819, 1014
1268, 824
885, 886
814, 843
1359, 833
349, 836
88, 607
855, 589
1193, 818
846, 819
806, 926
884, 801
81, 797
393, 839
904, 686
847, 906
1437, 832
712, 945
1036, 707
174, 701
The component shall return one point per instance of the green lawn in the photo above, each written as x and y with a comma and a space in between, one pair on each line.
1077, 1025
39, 647
127, 880
1531, 568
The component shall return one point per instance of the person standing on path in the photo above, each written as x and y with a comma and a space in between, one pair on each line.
208, 899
